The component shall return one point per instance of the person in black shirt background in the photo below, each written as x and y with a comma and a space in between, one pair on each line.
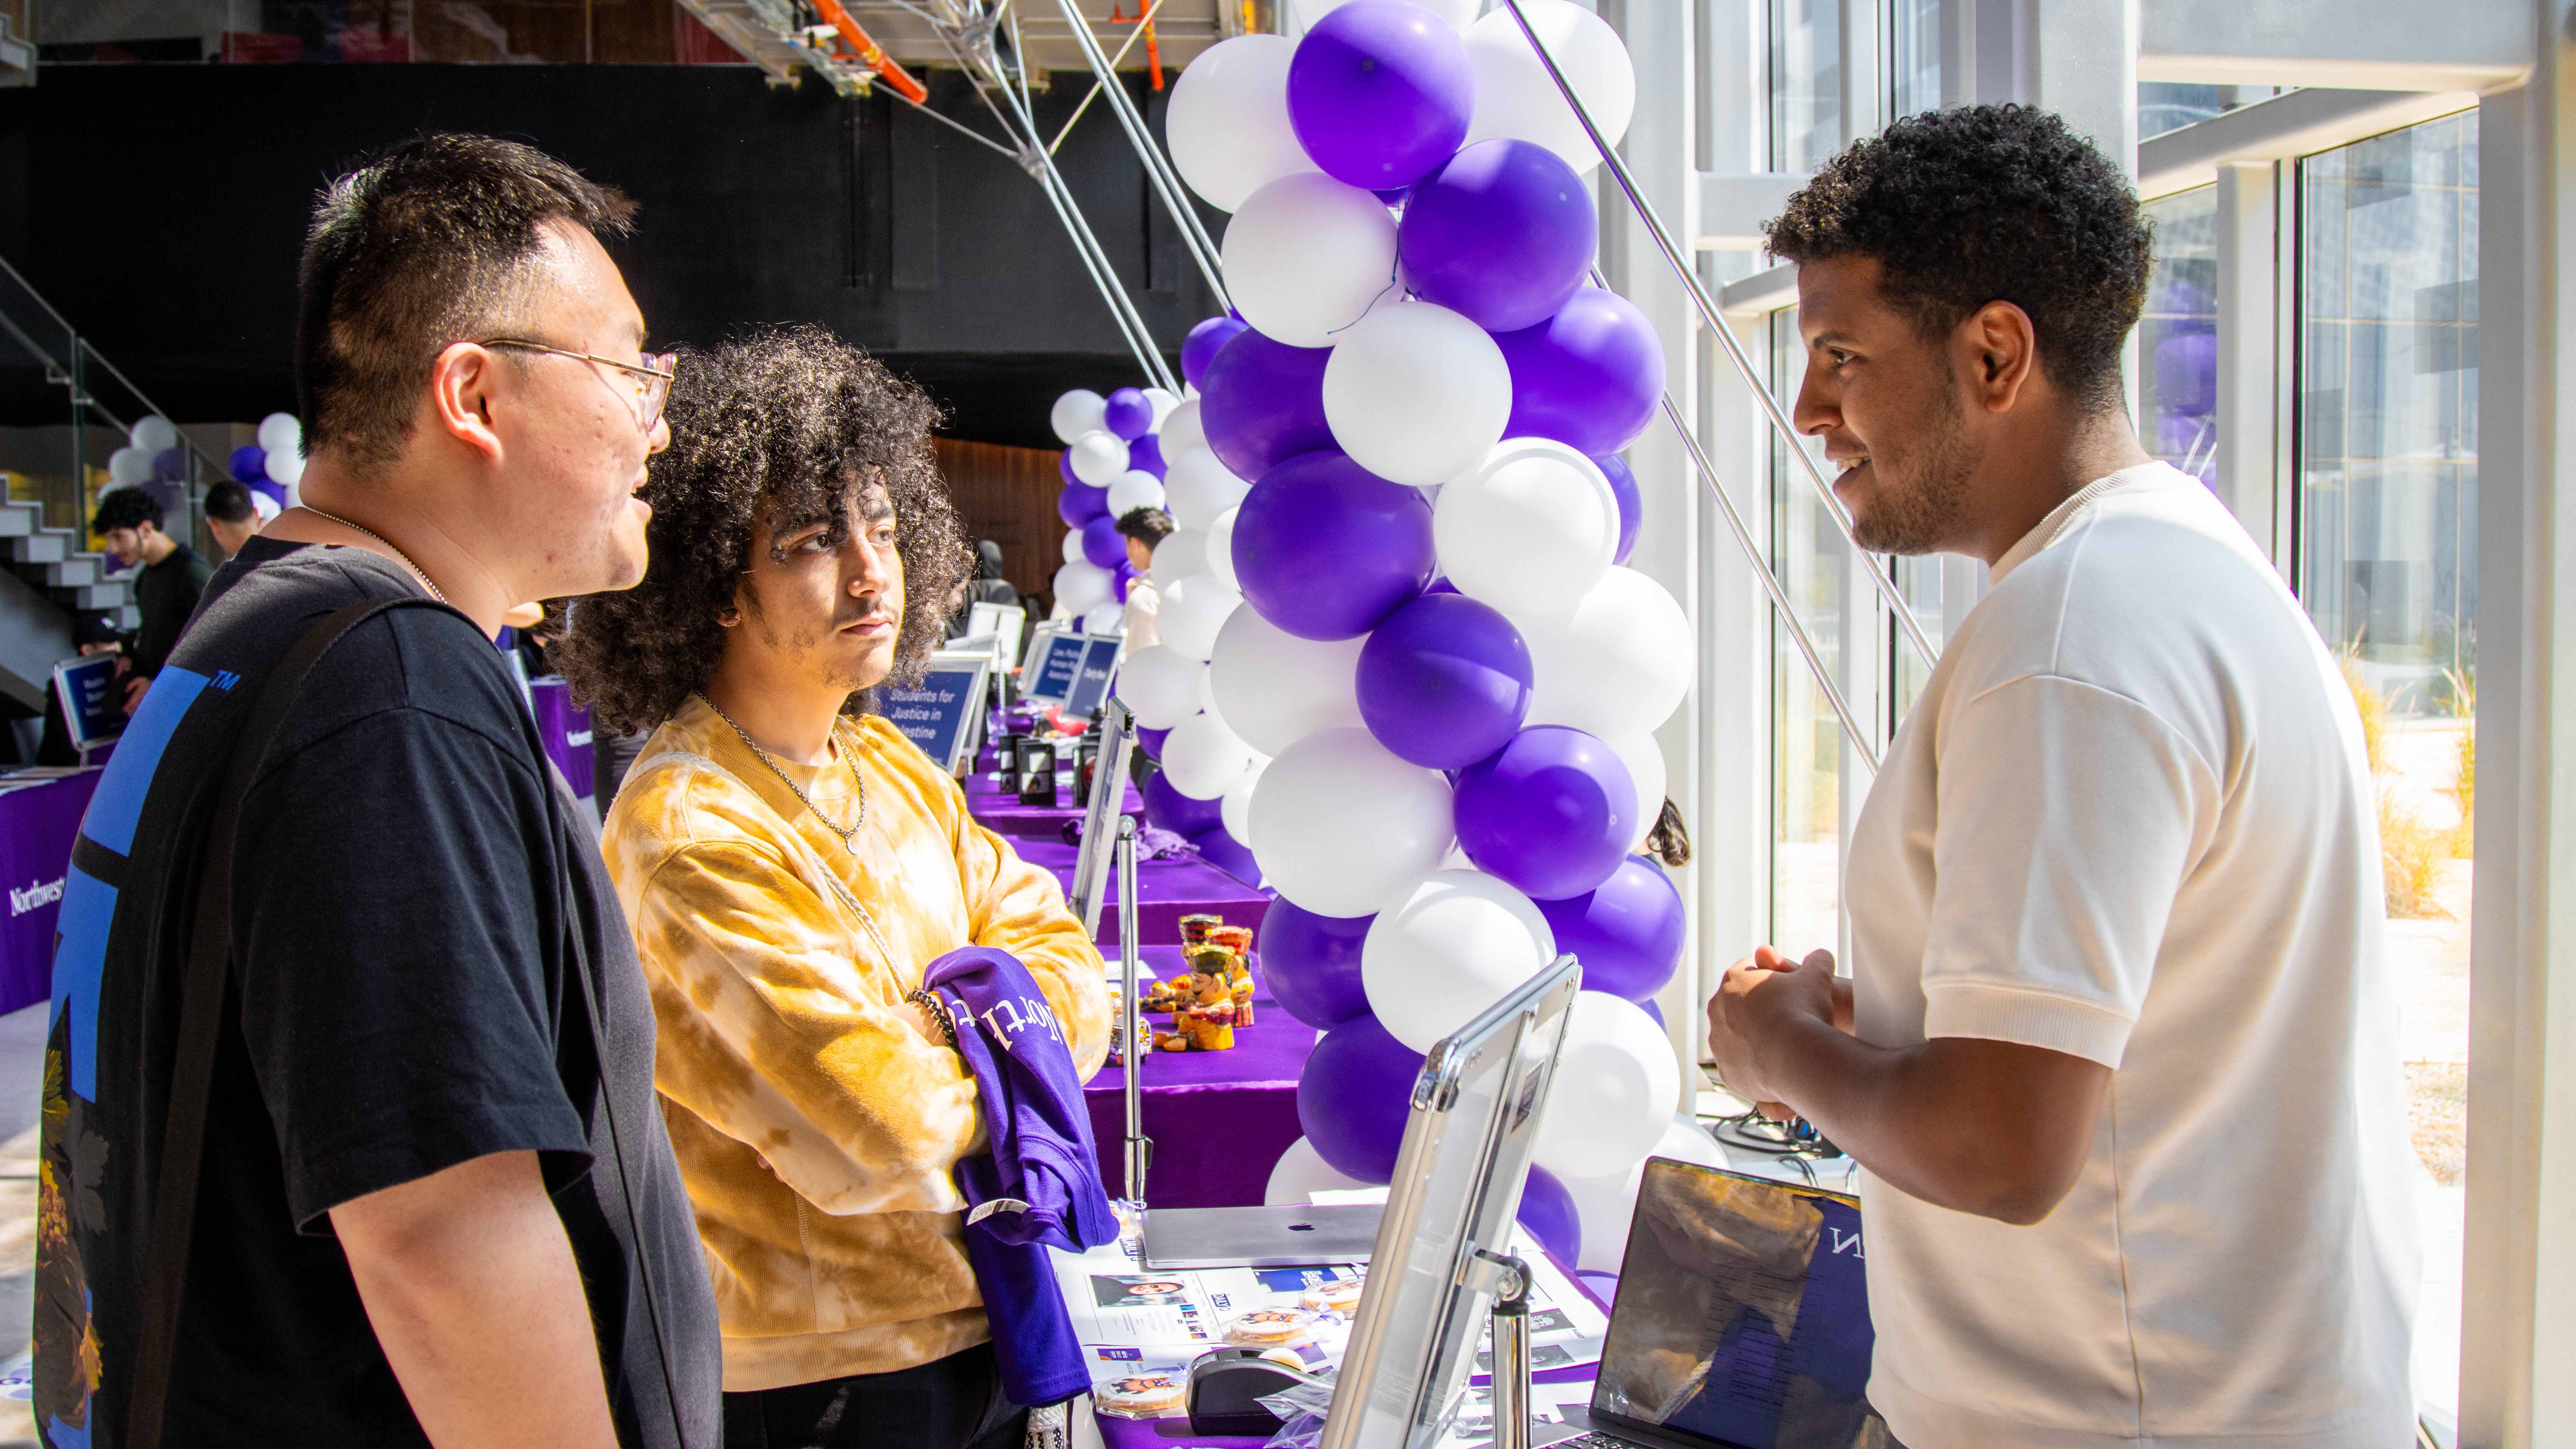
166, 586
436, 1206
231, 516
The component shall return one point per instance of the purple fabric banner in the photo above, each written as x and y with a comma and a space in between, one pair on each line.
565, 727
37, 823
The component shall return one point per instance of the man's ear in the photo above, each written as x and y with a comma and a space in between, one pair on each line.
2002, 351
464, 382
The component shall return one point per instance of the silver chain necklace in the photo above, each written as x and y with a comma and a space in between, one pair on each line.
849, 837
416, 570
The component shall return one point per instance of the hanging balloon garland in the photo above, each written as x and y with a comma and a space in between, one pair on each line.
1113, 464
1415, 677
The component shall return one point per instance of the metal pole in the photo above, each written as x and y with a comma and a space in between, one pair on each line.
1158, 168
1139, 1147
1511, 1375
1708, 311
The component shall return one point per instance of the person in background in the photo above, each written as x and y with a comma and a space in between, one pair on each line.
436, 1204
1144, 529
169, 578
988, 586
792, 865
2118, 1050
232, 516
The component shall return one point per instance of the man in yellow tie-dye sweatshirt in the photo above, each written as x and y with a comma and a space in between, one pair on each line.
790, 864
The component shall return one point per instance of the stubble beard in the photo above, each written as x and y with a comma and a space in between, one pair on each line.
1919, 514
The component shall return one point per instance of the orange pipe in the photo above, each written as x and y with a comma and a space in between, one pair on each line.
871, 54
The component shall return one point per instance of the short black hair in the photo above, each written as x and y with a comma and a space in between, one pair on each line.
127, 507
229, 500
422, 246
777, 423
1983, 204
1148, 526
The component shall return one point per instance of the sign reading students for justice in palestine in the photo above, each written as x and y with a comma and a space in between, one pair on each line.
936, 713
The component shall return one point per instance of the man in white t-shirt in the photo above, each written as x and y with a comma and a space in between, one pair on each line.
2117, 1053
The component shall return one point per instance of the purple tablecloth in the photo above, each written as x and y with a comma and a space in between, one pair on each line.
1166, 890
37, 823
1219, 1120
1005, 815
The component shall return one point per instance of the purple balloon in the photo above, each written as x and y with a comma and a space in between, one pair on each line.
1151, 742
1102, 543
1354, 1096
249, 464
170, 465
1589, 376
1653, 1012
1632, 504
1204, 342
1064, 470
1222, 850
1169, 809
1122, 577
1128, 413
1311, 963
1627, 932
1262, 403
1080, 504
1503, 233
1444, 681
1324, 548
1547, 1210
1145, 455
1380, 92
1552, 813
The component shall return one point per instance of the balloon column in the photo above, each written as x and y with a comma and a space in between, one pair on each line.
1432, 723
1113, 464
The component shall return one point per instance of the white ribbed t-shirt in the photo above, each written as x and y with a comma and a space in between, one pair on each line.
2130, 820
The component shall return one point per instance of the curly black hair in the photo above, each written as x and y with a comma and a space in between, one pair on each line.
1981, 204
127, 507
777, 423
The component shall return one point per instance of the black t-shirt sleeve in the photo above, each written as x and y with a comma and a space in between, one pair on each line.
393, 954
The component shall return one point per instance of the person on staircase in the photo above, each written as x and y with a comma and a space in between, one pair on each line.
168, 580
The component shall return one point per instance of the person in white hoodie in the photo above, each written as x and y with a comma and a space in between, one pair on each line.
1141, 616
2117, 1051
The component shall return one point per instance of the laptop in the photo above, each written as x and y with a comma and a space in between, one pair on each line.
1742, 1321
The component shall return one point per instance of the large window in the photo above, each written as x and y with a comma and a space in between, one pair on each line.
1813, 560
1806, 62
2178, 335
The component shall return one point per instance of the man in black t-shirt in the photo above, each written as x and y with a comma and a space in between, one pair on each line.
170, 578
437, 1204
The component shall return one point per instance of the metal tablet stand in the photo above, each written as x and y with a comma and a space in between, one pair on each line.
1108, 793
1140, 1148
1508, 1279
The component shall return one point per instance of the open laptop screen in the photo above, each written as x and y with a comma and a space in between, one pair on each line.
1743, 1314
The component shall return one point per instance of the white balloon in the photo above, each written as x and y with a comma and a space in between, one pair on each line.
1108, 618
1099, 458
1456, 14
1530, 530
1615, 1086
1220, 552
1340, 825
1134, 489
1164, 400
1604, 1206
155, 434
1193, 611
1076, 413
1416, 393
1198, 488
1442, 951
1180, 431
1645, 761
1302, 1172
128, 466
1515, 97
1227, 121
1236, 807
1203, 758
1182, 552
1277, 689
1083, 587
1306, 255
1618, 665
1073, 553
1161, 685
280, 433
284, 465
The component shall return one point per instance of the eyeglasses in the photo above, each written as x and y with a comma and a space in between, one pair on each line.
651, 381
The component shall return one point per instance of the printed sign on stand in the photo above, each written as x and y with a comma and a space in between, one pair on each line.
935, 714
93, 700
1091, 681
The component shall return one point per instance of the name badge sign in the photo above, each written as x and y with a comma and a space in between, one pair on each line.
936, 713
1059, 662
93, 699
1091, 682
